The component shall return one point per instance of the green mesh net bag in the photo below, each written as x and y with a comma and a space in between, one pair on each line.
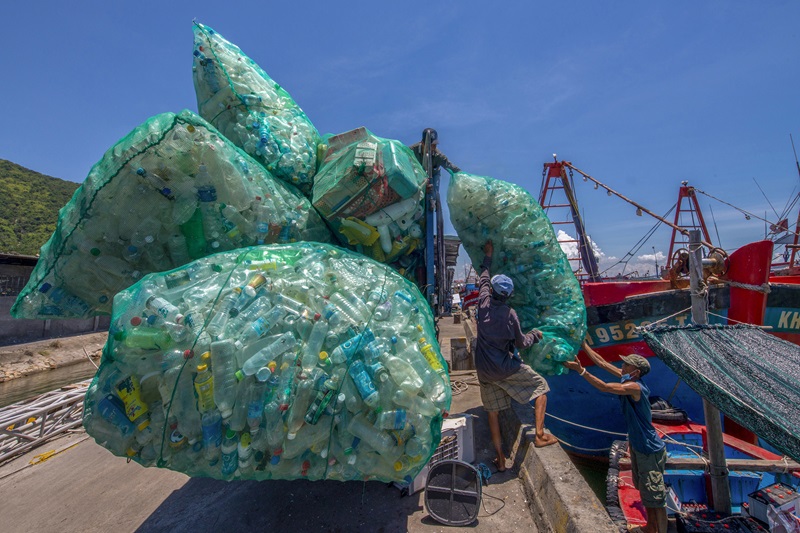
171, 191
248, 107
272, 362
547, 296
370, 190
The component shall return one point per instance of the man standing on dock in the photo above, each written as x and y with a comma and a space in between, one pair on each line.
501, 373
647, 450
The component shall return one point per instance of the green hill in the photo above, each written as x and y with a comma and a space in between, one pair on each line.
29, 204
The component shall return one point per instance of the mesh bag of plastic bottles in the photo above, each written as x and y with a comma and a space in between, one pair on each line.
248, 107
371, 192
272, 362
171, 191
546, 295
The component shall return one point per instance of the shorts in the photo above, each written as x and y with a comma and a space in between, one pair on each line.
648, 477
523, 386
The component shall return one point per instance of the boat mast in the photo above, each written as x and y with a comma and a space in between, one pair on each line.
555, 177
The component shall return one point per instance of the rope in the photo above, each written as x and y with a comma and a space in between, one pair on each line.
647, 327
587, 427
764, 287
562, 441
458, 387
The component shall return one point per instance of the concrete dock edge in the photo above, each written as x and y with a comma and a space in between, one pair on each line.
559, 498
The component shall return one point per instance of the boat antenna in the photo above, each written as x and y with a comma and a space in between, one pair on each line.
716, 229
765, 198
796, 162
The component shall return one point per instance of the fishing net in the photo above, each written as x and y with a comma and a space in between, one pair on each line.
753, 377
370, 190
272, 362
171, 191
247, 106
547, 295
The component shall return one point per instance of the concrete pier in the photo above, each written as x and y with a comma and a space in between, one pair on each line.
76, 485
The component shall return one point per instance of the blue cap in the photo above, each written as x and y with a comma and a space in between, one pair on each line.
502, 285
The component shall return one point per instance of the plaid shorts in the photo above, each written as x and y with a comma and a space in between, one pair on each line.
523, 386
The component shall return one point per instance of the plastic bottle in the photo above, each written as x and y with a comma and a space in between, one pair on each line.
393, 419
305, 439
194, 235
66, 301
156, 182
212, 436
379, 440
347, 308
273, 425
241, 224
245, 453
345, 351
431, 356
383, 311
178, 249
112, 410
222, 314
249, 314
230, 456
238, 419
363, 383
255, 405
164, 309
262, 358
403, 374
297, 412
417, 447
260, 327
223, 357
314, 344
128, 390
204, 385
417, 404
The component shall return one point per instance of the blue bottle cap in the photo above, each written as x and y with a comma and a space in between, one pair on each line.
45, 287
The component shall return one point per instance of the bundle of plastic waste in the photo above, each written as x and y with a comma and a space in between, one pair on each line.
547, 295
171, 191
282, 362
248, 107
371, 192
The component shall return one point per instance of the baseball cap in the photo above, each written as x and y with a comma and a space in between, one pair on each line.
637, 361
502, 285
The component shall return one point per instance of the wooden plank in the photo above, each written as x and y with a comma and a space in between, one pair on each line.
738, 465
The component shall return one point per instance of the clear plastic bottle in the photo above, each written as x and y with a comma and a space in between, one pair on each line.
417, 404
178, 249
431, 356
230, 456
364, 384
393, 419
261, 326
302, 400
345, 351
164, 309
212, 436
255, 405
403, 374
379, 440
314, 344
112, 410
347, 308
222, 313
223, 357
263, 357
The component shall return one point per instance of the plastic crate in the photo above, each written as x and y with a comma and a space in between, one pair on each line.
710, 522
779, 495
458, 442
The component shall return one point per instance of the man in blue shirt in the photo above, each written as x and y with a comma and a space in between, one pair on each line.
501, 373
648, 452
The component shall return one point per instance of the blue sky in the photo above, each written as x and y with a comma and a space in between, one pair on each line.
640, 95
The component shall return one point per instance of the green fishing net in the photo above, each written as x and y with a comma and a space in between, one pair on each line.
751, 376
247, 106
171, 191
272, 362
370, 190
547, 296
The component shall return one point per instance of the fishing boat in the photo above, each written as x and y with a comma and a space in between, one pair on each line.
752, 469
744, 289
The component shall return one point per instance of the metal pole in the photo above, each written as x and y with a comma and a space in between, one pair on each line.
718, 468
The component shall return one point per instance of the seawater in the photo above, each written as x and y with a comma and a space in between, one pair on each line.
24, 388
